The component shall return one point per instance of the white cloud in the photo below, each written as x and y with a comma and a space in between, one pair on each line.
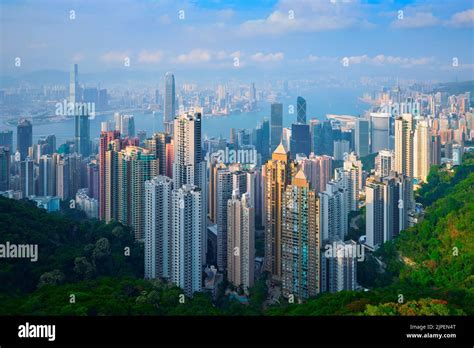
150, 56
418, 20
265, 58
313, 59
383, 60
462, 19
195, 56
307, 16
114, 57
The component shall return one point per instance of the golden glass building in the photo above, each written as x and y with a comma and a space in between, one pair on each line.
278, 173
300, 240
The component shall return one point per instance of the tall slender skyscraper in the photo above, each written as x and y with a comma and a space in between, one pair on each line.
362, 136
187, 239
24, 137
27, 182
74, 86
278, 173
300, 239
135, 166
404, 163
169, 110
189, 167
276, 125
81, 116
300, 110
158, 227
106, 170
241, 240
223, 194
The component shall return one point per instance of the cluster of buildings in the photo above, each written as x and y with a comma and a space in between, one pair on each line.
198, 204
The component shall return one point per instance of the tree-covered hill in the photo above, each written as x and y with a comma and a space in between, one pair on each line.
68, 250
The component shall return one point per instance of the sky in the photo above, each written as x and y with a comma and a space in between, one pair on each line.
294, 38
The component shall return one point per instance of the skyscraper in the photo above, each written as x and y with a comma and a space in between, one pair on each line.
379, 131
6, 139
300, 110
300, 142
404, 163
187, 239
169, 110
384, 163
189, 167
63, 178
435, 150
362, 136
5, 162
135, 166
157, 144
262, 142
107, 172
339, 270
24, 137
322, 133
223, 194
241, 240
47, 176
278, 173
158, 227
351, 176
81, 116
74, 95
318, 171
300, 239
422, 150
27, 179
386, 213
276, 125
333, 212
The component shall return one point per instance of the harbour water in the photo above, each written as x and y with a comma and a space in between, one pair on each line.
319, 103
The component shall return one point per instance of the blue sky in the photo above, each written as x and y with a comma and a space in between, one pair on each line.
283, 37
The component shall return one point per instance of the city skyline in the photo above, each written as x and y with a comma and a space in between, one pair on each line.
225, 158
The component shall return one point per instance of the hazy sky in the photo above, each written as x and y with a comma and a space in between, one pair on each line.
285, 37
